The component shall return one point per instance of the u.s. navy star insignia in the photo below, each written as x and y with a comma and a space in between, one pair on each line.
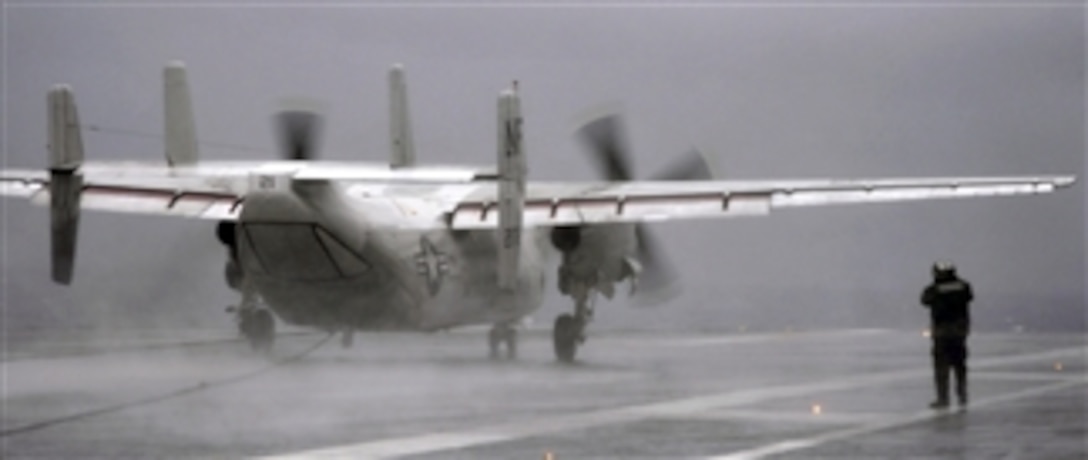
431, 264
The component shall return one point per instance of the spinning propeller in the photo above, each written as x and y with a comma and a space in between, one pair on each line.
609, 151
298, 132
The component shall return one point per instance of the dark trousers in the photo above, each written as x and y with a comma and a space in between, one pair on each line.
950, 353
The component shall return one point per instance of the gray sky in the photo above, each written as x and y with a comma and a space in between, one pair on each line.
782, 92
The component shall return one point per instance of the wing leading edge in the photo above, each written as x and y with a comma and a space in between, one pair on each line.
179, 198
473, 205
213, 190
558, 204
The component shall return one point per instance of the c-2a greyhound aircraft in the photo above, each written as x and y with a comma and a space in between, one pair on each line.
346, 246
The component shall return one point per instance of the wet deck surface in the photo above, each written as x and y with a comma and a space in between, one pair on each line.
825, 394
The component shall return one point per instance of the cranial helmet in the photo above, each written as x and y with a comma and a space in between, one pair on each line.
944, 270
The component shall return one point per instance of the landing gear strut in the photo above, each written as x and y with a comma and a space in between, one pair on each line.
256, 324
503, 334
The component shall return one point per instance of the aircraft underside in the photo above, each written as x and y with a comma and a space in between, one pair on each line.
345, 276
287, 254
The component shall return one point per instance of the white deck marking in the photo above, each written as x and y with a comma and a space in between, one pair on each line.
835, 418
436, 442
738, 338
1052, 376
892, 422
767, 337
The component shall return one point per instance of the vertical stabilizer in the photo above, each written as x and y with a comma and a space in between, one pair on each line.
403, 154
512, 170
65, 180
180, 128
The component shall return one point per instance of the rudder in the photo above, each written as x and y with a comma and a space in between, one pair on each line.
403, 154
65, 180
511, 184
178, 122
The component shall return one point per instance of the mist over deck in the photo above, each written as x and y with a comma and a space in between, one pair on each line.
802, 394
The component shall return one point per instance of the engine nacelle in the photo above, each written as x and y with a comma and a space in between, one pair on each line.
225, 232
595, 257
566, 239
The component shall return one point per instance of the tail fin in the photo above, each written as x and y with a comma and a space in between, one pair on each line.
512, 170
65, 181
403, 154
180, 128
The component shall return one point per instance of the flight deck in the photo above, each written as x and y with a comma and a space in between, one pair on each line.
859, 393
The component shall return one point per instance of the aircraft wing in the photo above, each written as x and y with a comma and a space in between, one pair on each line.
212, 190
558, 204
467, 199
168, 196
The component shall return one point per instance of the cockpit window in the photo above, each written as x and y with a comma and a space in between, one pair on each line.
300, 252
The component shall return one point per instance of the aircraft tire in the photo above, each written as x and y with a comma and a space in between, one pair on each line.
565, 337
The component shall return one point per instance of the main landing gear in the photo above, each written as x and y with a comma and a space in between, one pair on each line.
503, 334
256, 324
569, 331
258, 327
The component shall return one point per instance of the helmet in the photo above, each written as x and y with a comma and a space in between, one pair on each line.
944, 270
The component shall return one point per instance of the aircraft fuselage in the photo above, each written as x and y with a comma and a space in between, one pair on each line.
317, 259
